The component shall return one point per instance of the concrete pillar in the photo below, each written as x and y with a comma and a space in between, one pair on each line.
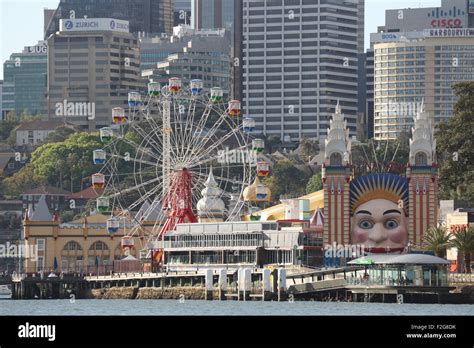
209, 284
266, 285
281, 284
222, 284
245, 283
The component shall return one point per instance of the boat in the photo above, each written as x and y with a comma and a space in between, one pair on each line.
5, 291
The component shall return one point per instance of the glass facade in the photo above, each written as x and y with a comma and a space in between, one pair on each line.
25, 80
402, 275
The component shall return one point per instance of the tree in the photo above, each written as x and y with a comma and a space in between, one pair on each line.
7, 126
272, 142
285, 179
455, 141
308, 149
60, 134
66, 162
437, 239
20, 182
15, 223
464, 241
315, 184
66, 216
378, 156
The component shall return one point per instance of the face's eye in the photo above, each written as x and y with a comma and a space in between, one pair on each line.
391, 224
365, 224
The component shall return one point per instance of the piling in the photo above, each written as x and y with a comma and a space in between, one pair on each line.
281, 284
245, 283
209, 280
222, 284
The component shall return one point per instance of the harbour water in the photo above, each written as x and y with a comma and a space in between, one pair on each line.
188, 307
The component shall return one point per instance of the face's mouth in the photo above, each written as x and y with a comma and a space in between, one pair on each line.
386, 250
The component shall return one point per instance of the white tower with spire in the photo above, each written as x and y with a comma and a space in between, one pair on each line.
423, 143
211, 208
336, 175
338, 144
422, 175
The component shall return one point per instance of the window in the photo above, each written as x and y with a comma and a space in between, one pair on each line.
421, 159
99, 245
40, 244
335, 159
40, 264
72, 246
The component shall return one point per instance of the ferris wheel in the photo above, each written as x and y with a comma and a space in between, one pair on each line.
176, 155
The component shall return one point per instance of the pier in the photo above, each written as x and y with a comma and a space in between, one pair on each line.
243, 284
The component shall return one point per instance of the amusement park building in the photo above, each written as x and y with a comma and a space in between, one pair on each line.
299, 58
145, 16
78, 246
94, 63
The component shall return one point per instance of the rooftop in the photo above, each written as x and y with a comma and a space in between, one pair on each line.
40, 125
399, 259
46, 190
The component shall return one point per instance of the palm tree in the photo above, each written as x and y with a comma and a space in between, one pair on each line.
464, 242
436, 239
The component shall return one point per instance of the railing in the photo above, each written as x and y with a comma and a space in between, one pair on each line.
357, 281
461, 278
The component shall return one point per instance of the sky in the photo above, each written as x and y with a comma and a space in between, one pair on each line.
21, 21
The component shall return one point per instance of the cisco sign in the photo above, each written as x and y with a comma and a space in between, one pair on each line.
93, 24
447, 23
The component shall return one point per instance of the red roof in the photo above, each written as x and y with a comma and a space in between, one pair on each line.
88, 193
46, 190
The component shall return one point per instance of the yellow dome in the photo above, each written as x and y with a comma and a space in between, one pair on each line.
250, 192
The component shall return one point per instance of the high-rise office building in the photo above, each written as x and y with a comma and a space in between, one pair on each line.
192, 54
92, 65
422, 70
24, 83
217, 14
212, 14
416, 57
369, 89
148, 16
182, 12
300, 59
1, 98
